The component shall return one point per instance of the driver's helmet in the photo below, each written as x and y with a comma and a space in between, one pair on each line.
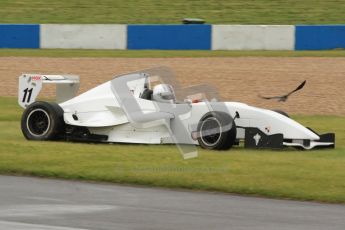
163, 93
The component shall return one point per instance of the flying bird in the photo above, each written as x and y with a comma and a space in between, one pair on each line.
285, 97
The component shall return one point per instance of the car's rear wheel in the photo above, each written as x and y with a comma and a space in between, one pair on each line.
217, 130
42, 121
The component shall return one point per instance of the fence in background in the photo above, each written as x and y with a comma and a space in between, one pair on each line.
173, 37
320, 37
83, 36
252, 37
169, 37
19, 36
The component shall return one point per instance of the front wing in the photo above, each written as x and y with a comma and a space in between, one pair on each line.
255, 138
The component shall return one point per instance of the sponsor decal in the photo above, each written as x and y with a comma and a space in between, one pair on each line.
36, 78
268, 129
257, 138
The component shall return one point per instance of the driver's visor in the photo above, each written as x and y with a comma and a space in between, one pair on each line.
168, 97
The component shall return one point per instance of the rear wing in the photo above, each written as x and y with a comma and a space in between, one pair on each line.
30, 86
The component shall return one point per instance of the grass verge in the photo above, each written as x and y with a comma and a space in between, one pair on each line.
162, 53
166, 11
303, 175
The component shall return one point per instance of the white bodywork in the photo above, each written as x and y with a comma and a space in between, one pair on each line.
101, 112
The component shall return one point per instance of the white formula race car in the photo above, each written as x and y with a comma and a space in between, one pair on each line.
142, 107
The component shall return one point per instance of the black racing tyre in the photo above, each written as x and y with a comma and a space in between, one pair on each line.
217, 130
43, 121
281, 112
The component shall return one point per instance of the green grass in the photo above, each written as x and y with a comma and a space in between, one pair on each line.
167, 11
303, 175
162, 53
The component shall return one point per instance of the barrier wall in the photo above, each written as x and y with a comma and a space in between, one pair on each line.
19, 36
83, 36
169, 37
320, 37
173, 37
252, 37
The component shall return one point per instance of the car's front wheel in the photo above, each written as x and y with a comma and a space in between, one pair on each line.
42, 121
217, 130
